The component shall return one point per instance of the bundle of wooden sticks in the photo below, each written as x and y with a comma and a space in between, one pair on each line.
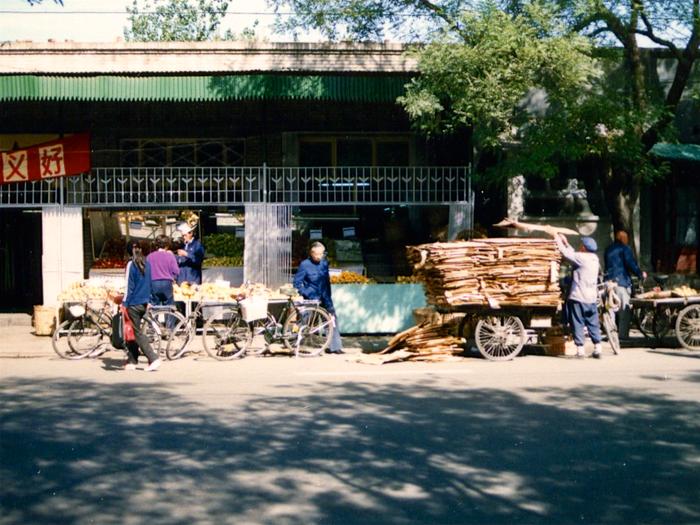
431, 340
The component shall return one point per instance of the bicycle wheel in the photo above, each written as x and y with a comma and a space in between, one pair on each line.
158, 326
263, 333
59, 342
85, 335
178, 339
226, 339
611, 331
308, 331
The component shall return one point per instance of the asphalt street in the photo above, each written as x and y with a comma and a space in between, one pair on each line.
278, 440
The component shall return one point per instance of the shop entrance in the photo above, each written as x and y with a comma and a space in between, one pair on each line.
20, 260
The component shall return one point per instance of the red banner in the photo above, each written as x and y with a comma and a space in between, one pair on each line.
57, 158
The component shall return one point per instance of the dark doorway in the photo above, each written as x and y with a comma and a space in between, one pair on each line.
20, 260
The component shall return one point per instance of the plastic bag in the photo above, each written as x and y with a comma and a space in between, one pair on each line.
129, 335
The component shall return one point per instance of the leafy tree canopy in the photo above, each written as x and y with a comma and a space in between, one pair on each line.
178, 20
486, 61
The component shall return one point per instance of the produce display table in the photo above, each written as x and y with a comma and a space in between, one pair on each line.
681, 313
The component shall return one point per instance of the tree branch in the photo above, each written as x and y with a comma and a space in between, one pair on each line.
690, 54
442, 13
649, 33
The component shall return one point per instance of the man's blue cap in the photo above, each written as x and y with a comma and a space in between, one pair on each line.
590, 244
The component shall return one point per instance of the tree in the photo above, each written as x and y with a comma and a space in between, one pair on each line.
490, 81
638, 117
617, 122
176, 20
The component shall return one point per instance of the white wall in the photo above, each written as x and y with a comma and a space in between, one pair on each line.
62, 250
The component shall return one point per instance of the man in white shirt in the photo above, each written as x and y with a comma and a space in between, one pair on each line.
581, 305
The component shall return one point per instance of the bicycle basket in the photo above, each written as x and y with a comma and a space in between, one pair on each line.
77, 310
254, 307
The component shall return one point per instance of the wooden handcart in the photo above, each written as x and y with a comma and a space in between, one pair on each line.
657, 317
500, 333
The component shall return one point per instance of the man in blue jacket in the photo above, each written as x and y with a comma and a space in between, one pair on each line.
619, 267
313, 282
189, 258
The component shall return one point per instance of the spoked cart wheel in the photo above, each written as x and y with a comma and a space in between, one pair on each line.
688, 327
500, 337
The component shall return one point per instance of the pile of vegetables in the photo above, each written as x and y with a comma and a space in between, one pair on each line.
347, 277
223, 249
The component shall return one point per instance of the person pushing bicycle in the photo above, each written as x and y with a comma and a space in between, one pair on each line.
313, 282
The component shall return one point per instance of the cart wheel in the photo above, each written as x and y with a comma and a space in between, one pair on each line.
499, 338
644, 319
661, 322
688, 327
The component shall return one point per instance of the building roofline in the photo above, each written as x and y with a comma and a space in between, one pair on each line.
239, 57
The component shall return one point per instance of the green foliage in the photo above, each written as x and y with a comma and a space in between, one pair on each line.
368, 20
223, 245
502, 79
520, 74
211, 262
177, 20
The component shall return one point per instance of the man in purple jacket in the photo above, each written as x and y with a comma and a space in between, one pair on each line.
164, 271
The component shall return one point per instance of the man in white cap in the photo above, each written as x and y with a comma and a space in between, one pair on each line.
190, 257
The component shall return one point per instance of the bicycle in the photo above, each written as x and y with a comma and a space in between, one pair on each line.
85, 331
226, 335
89, 332
184, 332
608, 304
303, 327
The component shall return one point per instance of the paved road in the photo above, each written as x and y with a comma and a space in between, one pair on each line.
284, 441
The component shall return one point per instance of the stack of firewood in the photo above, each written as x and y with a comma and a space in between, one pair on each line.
494, 272
431, 340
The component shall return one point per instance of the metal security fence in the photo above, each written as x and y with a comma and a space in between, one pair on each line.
168, 186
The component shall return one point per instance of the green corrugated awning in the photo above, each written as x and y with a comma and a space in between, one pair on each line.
690, 152
202, 88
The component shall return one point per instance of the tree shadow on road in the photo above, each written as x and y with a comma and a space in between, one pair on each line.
82, 452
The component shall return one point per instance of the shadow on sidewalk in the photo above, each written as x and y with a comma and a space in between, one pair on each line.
80, 452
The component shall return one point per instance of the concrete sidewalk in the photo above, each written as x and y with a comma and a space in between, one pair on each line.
18, 340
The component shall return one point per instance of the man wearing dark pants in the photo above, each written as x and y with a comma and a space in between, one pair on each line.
313, 282
581, 304
619, 267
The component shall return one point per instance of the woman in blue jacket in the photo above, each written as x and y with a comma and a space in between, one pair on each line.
136, 302
313, 282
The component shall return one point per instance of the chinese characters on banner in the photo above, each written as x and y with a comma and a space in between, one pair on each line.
57, 158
